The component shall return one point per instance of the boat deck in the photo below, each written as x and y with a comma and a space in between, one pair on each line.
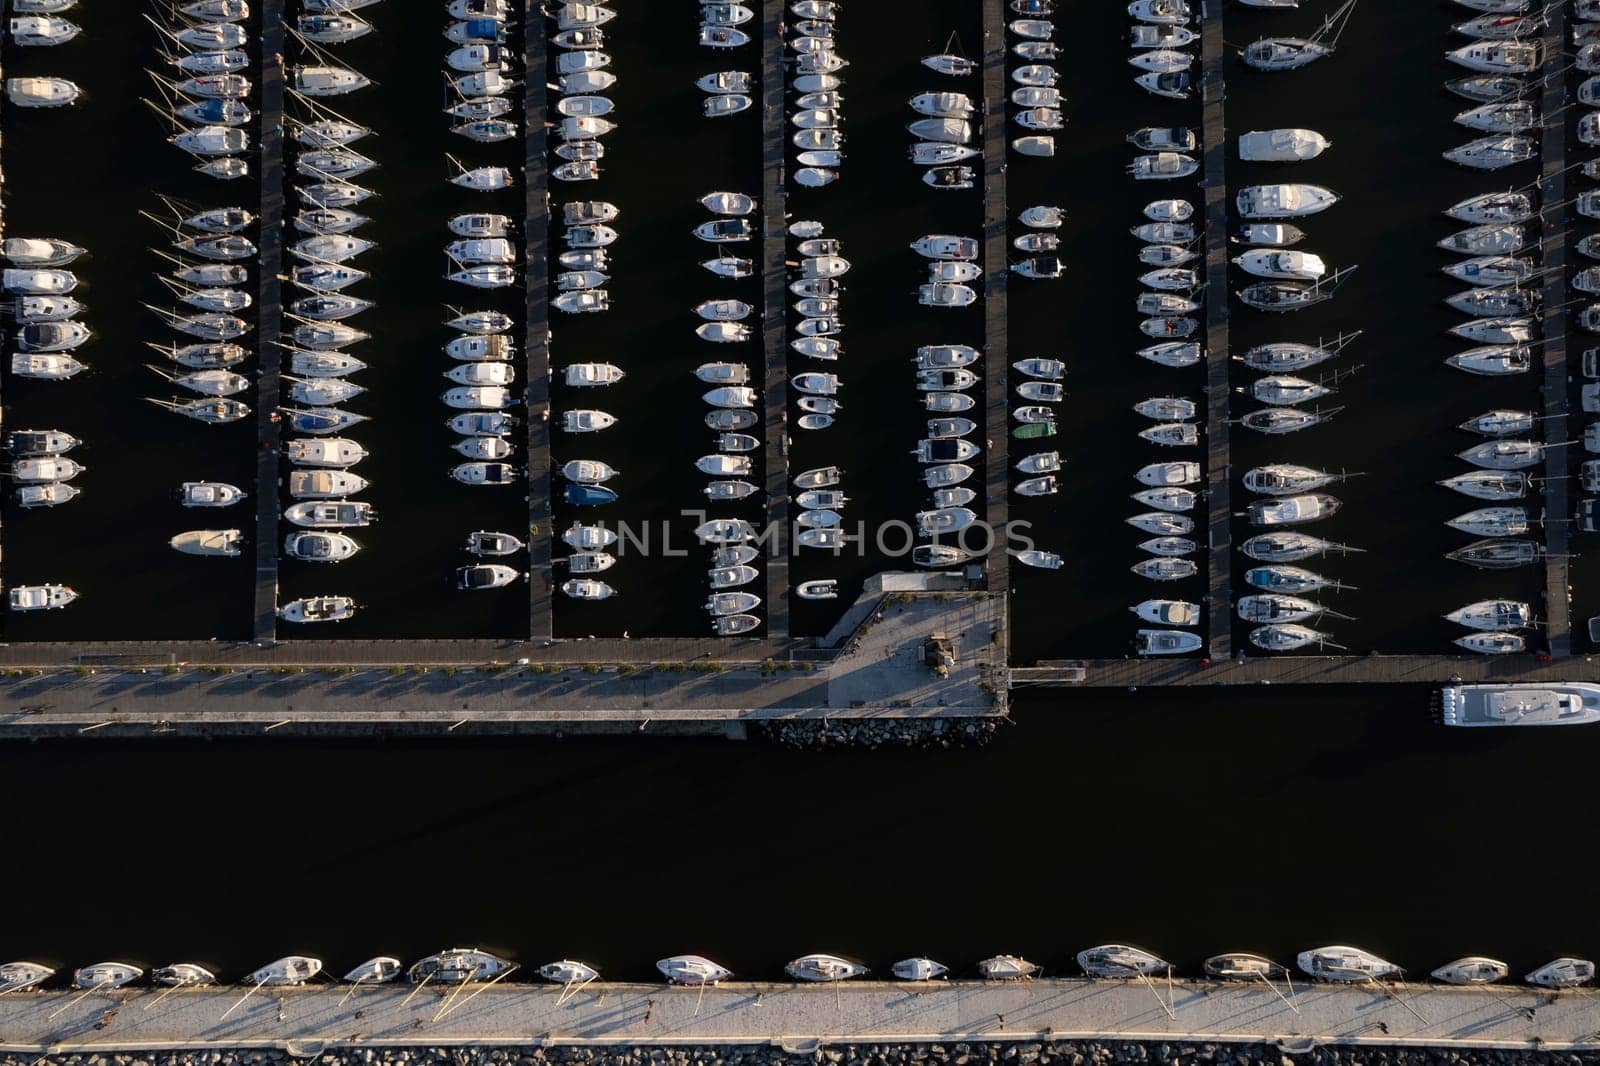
269, 323
536, 278
997, 267
1553, 352
1219, 464
774, 244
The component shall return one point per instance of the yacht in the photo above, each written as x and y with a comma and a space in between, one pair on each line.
1298, 266
1499, 57
1276, 421
935, 555
1288, 580
1288, 546
1121, 961
1242, 965
323, 484
1289, 637
456, 966
318, 609
1504, 454
1167, 12
1489, 485
823, 968
1571, 703
1498, 554
693, 970
1269, 234
1166, 568
32, 282
1493, 615
29, 31
1494, 152
1168, 499
35, 92
1282, 145
1172, 353
1499, 118
1277, 609
324, 452
327, 80
1500, 423
106, 975
952, 65
1006, 968
1168, 612
209, 542
1566, 972
1492, 522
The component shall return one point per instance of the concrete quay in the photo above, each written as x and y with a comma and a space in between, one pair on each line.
802, 1018
878, 673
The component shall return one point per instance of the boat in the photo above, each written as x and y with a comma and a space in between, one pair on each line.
952, 65
36, 92
209, 494
208, 542
1499, 57
1510, 117
1493, 153
919, 969
1493, 615
1168, 12
823, 968
1565, 972
1163, 166
319, 547
1120, 960
330, 514
1561, 703
1168, 612
1166, 641
455, 966
1340, 963
1006, 968
1282, 145
1493, 208
1242, 966
1492, 522
1288, 546
37, 598
692, 970
1289, 580
1294, 200
1276, 609
105, 975
1498, 554
1504, 454
1168, 499
1263, 263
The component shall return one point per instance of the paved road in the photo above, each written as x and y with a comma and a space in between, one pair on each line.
799, 1017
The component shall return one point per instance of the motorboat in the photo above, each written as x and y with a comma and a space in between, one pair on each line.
1162, 61
591, 375
1281, 145
45, 468
330, 514
931, 153
37, 92
477, 397
321, 484
320, 547
209, 494
480, 576
726, 82
1166, 641
1295, 200
34, 282
1293, 510
33, 598
1292, 265
1167, 12
324, 452
1163, 166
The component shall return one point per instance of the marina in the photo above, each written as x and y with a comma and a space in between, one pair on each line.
1040, 426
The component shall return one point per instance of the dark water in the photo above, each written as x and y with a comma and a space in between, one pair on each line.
1272, 822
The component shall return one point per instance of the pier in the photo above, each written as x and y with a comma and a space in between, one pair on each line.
775, 383
997, 270
1214, 143
536, 280
269, 323
802, 1018
1553, 354
1308, 670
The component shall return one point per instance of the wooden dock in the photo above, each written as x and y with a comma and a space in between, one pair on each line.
269, 322
801, 1018
1219, 469
774, 246
536, 280
1553, 353
997, 268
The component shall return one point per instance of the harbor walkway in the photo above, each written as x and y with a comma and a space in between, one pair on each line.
1307, 670
997, 268
774, 244
536, 278
803, 1018
878, 673
1553, 353
1219, 468
269, 323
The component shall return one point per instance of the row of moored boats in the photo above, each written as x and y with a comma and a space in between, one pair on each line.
461, 966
